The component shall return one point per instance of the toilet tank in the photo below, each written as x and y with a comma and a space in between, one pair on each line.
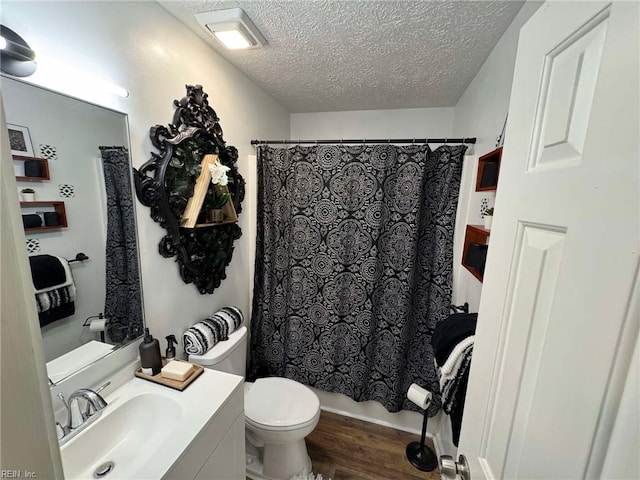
228, 356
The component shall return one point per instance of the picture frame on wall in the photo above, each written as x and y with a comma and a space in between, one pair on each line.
20, 140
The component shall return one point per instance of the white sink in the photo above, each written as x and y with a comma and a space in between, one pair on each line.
127, 435
145, 428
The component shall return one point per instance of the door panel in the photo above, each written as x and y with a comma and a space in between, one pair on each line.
553, 323
569, 77
532, 286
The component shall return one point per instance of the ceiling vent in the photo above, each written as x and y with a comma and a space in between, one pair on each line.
232, 28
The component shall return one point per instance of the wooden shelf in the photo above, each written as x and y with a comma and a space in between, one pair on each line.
194, 205
477, 233
491, 159
44, 228
45, 169
479, 229
213, 224
58, 207
474, 234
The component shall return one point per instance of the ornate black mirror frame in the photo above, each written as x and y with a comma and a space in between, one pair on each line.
166, 182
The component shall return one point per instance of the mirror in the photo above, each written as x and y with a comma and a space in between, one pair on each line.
182, 191
73, 174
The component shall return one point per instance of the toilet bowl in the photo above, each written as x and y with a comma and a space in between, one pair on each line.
279, 413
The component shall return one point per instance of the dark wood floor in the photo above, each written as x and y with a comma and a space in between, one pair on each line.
344, 448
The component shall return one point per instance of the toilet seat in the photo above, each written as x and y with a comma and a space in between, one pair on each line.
283, 428
280, 404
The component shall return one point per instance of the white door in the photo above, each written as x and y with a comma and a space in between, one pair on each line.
557, 322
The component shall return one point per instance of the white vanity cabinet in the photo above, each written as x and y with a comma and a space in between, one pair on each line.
217, 452
150, 432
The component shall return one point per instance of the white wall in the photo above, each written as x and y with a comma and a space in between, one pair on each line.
141, 47
401, 123
76, 129
481, 112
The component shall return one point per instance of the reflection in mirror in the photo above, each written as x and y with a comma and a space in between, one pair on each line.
72, 159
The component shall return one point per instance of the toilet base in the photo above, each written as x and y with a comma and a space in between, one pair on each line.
295, 461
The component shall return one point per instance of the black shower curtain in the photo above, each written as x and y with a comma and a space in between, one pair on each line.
353, 266
123, 301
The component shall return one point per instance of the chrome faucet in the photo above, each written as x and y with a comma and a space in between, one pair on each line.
76, 419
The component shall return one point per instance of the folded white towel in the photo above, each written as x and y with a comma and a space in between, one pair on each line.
452, 364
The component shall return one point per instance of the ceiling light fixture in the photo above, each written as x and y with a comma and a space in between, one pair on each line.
233, 28
17, 58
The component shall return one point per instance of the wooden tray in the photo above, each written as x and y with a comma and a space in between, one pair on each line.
167, 382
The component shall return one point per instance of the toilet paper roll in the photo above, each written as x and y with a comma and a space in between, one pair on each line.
97, 325
419, 396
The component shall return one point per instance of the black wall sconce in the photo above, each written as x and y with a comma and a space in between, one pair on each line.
16, 57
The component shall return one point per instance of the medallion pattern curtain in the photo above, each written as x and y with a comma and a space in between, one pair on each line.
123, 300
354, 266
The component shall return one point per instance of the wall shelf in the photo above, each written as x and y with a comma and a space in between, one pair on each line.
213, 224
44, 165
486, 181
58, 207
488, 171
474, 234
194, 205
44, 228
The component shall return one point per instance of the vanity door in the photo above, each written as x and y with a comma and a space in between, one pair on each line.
227, 460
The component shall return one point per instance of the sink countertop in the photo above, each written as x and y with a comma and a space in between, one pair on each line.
200, 402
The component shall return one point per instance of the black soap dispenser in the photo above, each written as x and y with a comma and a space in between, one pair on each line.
150, 354
171, 350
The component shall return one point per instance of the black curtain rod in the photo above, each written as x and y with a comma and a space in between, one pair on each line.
364, 140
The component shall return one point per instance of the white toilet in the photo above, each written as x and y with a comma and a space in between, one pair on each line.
279, 413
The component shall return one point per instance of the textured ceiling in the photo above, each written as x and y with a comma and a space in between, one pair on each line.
334, 55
